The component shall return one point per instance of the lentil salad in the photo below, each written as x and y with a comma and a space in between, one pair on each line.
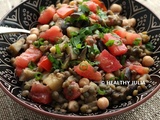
70, 55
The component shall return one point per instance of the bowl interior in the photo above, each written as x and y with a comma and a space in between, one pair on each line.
26, 15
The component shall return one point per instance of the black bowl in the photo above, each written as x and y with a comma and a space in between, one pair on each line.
25, 16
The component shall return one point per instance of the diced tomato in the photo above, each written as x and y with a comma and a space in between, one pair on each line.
31, 54
100, 4
86, 70
46, 15
53, 34
128, 37
131, 37
92, 6
72, 92
45, 63
121, 33
139, 69
94, 16
18, 71
65, 11
108, 62
40, 93
117, 48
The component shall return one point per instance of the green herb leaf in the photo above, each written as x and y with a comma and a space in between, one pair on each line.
84, 9
109, 43
57, 64
101, 92
149, 46
38, 42
31, 65
81, 18
102, 14
58, 49
38, 76
118, 42
42, 8
123, 59
137, 41
93, 63
78, 39
122, 76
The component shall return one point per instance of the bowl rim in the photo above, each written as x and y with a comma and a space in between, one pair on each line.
71, 117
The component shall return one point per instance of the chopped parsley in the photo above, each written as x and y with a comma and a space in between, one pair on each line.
101, 92
79, 18
109, 43
123, 59
38, 76
78, 39
31, 65
38, 42
93, 63
102, 14
149, 46
137, 41
57, 64
58, 49
42, 8
84, 9
118, 42
93, 50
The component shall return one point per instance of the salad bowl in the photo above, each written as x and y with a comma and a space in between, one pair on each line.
25, 16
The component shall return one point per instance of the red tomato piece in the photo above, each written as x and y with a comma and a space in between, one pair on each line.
72, 92
92, 6
108, 62
100, 4
94, 16
53, 34
46, 15
131, 37
127, 37
63, 12
31, 54
18, 71
45, 63
40, 93
117, 48
86, 70
121, 33
139, 69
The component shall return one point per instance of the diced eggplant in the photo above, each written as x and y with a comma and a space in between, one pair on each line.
16, 47
127, 74
27, 74
54, 81
71, 53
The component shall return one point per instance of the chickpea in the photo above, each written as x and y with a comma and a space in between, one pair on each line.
83, 82
109, 76
116, 8
102, 103
132, 22
73, 3
125, 22
72, 29
34, 31
53, 49
25, 93
31, 38
73, 106
147, 61
44, 28
55, 17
